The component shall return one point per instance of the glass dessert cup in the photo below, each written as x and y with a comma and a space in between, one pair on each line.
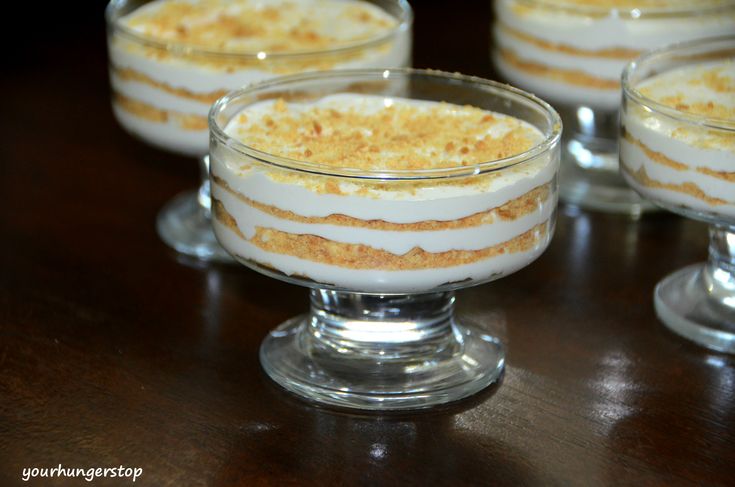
162, 92
380, 336
572, 53
684, 161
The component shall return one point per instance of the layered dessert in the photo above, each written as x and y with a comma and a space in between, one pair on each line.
678, 144
171, 59
338, 223
572, 52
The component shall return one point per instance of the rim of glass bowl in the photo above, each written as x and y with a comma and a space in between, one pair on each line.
397, 174
632, 12
652, 57
114, 6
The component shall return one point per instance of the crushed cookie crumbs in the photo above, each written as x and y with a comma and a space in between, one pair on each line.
706, 90
364, 134
246, 25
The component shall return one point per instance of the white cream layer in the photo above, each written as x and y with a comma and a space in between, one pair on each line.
442, 202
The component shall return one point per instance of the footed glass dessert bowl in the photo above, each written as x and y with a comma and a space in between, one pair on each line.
171, 59
572, 54
383, 191
677, 148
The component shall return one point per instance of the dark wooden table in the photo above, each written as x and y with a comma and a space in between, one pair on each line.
114, 351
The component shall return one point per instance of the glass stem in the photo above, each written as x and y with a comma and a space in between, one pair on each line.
382, 328
719, 277
203, 194
591, 131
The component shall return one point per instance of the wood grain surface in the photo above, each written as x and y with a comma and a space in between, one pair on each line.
114, 351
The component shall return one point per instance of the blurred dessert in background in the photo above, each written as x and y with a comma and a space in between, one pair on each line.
678, 156
171, 59
574, 51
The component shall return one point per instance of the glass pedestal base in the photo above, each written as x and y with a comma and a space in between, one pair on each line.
685, 306
185, 225
589, 178
375, 352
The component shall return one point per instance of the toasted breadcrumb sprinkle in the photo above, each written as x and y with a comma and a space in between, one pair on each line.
375, 133
278, 26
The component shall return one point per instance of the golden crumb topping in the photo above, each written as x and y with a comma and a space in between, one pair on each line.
277, 26
376, 133
706, 89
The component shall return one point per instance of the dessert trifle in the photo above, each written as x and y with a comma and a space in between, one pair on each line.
383, 200
171, 59
572, 53
677, 148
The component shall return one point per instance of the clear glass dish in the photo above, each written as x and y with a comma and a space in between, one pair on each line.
162, 92
685, 162
572, 53
381, 332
